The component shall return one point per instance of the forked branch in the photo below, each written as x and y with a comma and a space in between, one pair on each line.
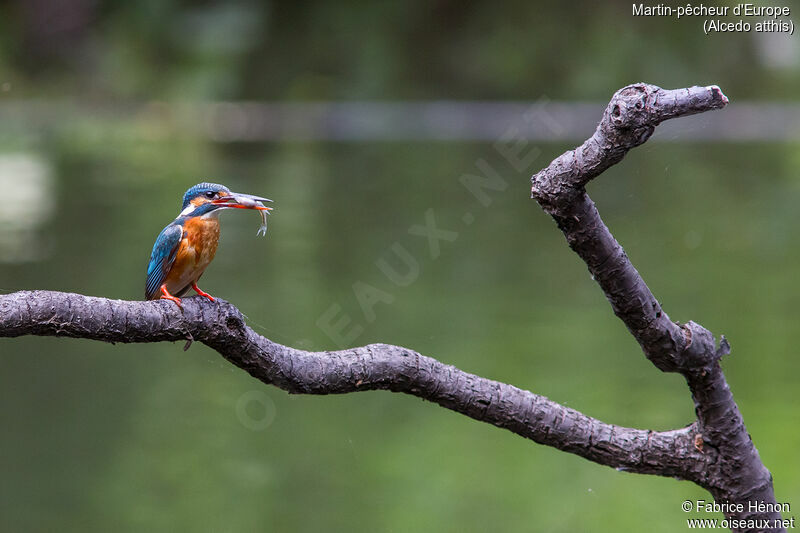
737, 475
714, 451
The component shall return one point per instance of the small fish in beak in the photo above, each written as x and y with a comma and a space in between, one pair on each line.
248, 201
262, 229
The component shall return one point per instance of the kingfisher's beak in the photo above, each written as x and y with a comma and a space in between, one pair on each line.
243, 201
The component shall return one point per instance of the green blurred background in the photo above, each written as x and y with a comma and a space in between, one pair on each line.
96, 437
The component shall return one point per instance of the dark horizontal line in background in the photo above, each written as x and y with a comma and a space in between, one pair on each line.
542, 121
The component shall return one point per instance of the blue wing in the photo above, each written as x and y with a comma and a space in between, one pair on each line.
161, 259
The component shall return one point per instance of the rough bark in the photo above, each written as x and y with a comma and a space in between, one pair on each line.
715, 451
376, 366
737, 475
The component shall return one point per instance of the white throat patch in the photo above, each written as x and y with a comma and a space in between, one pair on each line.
211, 214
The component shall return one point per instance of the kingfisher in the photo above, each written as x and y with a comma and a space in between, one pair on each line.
187, 245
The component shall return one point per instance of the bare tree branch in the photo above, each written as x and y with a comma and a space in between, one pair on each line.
714, 452
377, 366
738, 475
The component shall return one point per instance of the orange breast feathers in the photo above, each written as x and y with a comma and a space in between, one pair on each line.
195, 251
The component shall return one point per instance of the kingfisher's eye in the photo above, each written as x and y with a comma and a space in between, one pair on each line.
210, 194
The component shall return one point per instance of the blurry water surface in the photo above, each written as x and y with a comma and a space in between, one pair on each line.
148, 437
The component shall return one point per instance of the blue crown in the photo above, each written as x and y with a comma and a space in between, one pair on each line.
200, 189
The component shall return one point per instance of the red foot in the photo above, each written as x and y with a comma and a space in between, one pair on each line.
199, 291
165, 295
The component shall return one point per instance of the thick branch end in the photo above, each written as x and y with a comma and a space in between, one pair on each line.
628, 121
